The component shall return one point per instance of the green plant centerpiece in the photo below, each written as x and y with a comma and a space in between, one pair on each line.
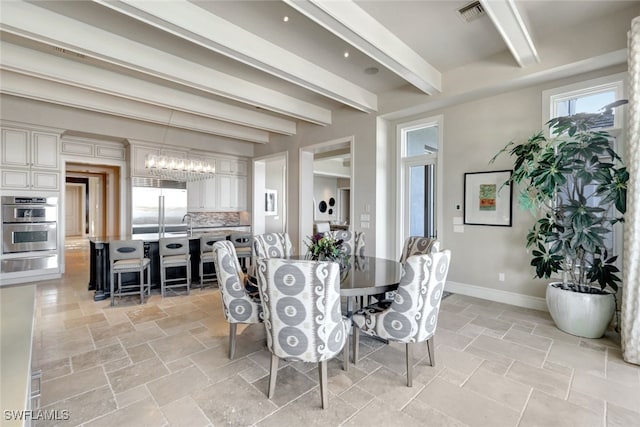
575, 184
324, 248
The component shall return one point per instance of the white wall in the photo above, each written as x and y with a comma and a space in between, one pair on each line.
274, 180
325, 188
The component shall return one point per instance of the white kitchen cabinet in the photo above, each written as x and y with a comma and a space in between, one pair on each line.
231, 166
201, 195
32, 149
30, 160
231, 192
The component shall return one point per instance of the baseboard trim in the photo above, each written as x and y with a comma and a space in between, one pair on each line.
497, 295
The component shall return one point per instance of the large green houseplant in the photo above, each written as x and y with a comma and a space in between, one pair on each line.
575, 184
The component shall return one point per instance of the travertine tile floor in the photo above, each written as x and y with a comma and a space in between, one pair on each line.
165, 363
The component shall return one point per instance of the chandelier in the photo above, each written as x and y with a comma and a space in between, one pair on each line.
177, 169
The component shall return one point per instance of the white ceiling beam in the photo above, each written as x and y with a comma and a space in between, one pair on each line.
196, 25
505, 16
57, 93
30, 21
51, 67
351, 23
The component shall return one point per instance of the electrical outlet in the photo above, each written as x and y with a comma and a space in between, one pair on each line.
501, 277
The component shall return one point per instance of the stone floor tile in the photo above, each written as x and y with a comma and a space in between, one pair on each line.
175, 347
451, 339
430, 416
499, 388
578, 358
390, 387
132, 396
290, 384
81, 408
85, 320
138, 336
53, 368
467, 406
509, 349
177, 385
184, 412
140, 352
307, 411
623, 373
545, 410
357, 397
622, 417
234, 402
97, 357
144, 413
611, 391
550, 382
529, 340
452, 321
145, 313
595, 405
101, 331
136, 374
377, 410
70, 385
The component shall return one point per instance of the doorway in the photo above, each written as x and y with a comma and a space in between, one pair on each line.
326, 173
75, 210
270, 194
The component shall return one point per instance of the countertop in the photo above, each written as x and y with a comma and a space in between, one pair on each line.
16, 336
155, 237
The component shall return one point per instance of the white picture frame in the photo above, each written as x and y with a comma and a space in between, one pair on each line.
270, 202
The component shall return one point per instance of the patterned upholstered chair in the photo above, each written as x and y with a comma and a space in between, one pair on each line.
418, 245
239, 306
302, 316
413, 315
352, 241
272, 245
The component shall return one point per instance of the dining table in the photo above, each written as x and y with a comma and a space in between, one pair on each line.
363, 276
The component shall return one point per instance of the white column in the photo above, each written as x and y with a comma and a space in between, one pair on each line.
631, 276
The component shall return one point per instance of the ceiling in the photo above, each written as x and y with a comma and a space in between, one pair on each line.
237, 70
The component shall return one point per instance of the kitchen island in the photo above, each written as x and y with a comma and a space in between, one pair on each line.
99, 262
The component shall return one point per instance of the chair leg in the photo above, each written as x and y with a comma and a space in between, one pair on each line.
188, 276
409, 364
432, 351
345, 355
324, 389
232, 339
273, 374
201, 270
356, 343
141, 286
162, 275
113, 279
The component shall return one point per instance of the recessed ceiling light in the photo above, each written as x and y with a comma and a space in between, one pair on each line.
371, 70
346, 54
285, 19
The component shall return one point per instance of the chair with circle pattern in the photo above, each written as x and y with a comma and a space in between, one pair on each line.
418, 245
352, 241
272, 245
302, 314
239, 306
413, 314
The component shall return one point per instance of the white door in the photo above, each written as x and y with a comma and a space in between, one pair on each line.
74, 210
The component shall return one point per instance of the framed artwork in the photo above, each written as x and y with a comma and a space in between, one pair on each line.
270, 202
487, 200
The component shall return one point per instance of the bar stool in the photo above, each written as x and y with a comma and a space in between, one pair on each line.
127, 256
174, 252
207, 256
242, 244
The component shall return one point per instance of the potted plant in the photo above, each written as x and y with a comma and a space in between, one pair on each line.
324, 248
575, 184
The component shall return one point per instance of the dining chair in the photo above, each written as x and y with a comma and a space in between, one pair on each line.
413, 315
174, 253
127, 256
206, 256
352, 241
418, 245
272, 245
239, 306
302, 315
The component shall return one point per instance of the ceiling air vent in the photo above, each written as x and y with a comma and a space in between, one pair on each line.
471, 11
68, 52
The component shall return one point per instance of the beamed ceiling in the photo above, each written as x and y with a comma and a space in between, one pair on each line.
236, 69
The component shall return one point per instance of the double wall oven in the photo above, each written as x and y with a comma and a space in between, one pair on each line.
29, 233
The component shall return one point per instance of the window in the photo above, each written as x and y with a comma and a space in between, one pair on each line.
419, 181
590, 97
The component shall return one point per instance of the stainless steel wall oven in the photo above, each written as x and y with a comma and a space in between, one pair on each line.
29, 224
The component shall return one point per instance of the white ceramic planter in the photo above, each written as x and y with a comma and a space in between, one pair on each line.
584, 315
